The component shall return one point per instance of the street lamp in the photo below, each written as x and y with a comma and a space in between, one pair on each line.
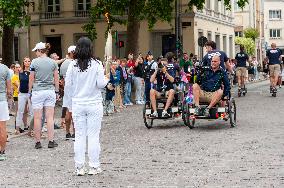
178, 27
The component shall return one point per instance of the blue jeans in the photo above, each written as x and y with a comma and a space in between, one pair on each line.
147, 90
127, 93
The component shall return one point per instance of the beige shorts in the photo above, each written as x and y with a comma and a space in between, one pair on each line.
241, 71
274, 70
206, 96
159, 94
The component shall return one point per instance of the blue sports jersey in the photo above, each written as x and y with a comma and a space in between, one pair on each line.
273, 56
242, 59
208, 57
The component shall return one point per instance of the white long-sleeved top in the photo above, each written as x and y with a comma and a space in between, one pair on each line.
85, 87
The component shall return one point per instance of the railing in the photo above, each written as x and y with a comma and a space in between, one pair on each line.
230, 19
208, 12
50, 15
217, 14
82, 13
223, 16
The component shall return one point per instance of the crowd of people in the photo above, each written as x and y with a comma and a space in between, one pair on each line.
90, 89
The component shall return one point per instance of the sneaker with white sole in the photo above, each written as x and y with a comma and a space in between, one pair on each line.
94, 171
154, 114
165, 114
138, 102
80, 171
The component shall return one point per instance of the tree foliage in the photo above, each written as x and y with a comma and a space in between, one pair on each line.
150, 10
251, 33
14, 13
247, 43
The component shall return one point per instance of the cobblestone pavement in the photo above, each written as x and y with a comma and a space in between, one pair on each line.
169, 154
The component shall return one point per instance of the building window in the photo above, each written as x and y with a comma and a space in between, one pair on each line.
83, 5
238, 33
82, 9
225, 44
275, 33
217, 40
274, 14
53, 6
209, 36
52, 9
77, 36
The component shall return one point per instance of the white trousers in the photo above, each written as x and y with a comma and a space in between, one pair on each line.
87, 123
138, 89
23, 99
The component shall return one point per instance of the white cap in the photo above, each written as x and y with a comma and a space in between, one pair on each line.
71, 49
39, 46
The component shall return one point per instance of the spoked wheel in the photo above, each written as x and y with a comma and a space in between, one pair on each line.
189, 122
147, 121
232, 112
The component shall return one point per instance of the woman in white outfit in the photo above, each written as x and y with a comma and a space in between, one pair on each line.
23, 98
44, 84
5, 90
84, 81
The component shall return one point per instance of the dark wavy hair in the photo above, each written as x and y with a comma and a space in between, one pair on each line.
83, 53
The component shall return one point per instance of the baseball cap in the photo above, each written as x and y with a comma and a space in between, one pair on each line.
71, 49
39, 46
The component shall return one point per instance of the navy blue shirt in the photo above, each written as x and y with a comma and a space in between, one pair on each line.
273, 56
24, 81
242, 59
208, 57
162, 81
211, 81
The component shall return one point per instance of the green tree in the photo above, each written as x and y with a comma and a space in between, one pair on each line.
251, 33
247, 43
14, 14
131, 12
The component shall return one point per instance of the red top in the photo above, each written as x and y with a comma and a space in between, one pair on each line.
130, 63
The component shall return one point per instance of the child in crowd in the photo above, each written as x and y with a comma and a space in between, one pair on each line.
110, 89
123, 79
115, 71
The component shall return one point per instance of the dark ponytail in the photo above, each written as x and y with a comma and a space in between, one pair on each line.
83, 53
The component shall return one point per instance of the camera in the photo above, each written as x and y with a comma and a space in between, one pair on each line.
160, 67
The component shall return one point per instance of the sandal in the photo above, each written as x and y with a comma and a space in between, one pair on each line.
63, 125
31, 133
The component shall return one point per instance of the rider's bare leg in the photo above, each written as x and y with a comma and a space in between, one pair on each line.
196, 93
171, 95
216, 98
153, 94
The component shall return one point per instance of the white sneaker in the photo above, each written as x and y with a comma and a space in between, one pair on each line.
44, 129
80, 171
142, 102
138, 102
165, 114
154, 114
94, 171
128, 104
